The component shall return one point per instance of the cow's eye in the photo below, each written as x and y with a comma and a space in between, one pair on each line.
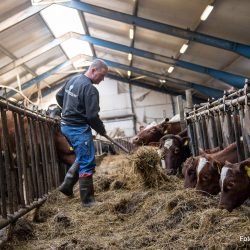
204, 178
176, 150
230, 185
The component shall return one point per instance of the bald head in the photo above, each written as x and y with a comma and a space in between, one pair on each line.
98, 64
97, 71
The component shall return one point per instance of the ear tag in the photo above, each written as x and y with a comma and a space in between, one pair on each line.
71, 149
186, 142
248, 170
219, 167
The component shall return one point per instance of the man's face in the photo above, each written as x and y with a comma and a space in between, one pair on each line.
98, 75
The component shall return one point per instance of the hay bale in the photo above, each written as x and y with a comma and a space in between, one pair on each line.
146, 163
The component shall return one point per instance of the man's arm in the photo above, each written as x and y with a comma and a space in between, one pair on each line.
92, 110
60, 95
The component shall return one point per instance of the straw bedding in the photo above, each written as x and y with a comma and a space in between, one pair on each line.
139, 208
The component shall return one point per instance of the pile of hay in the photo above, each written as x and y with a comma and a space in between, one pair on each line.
146, 162
134, 217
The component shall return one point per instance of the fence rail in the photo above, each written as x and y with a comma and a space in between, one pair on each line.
29, 167
222, 122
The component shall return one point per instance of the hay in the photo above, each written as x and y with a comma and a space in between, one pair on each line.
135, 217
146, 163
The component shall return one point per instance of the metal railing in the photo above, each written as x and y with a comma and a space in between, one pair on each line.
222, 122
29, 166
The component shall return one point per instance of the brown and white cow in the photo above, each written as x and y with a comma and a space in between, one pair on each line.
235, 184
154, 134
174, 150
208, 175
189, 172
203, 172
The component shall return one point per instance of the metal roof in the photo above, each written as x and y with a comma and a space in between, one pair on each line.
217, 58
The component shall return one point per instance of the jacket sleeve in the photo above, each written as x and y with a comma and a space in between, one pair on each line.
60, 95
92, 110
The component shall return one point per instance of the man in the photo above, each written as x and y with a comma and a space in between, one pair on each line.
79, 100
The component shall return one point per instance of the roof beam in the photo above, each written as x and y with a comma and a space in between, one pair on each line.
40, 77
35, 53
160, 89
46, 91
238, 48
237, 81
205, 90
20, 16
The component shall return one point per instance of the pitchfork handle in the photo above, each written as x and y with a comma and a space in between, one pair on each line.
117, 144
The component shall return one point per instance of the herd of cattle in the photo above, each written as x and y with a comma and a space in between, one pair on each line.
212, 172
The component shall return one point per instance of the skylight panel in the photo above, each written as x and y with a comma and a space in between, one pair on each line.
61, 20
74, 47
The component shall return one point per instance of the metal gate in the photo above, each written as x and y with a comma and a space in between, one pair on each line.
28, 161
222, 122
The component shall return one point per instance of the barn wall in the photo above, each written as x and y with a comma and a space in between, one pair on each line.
115, 101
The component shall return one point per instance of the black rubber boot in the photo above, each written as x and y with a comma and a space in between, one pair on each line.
70, 180
87, 191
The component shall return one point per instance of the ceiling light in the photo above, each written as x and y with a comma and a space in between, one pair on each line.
206, 12
129, 73
131, 33
130, 56
183, 48
170, 69
162, 81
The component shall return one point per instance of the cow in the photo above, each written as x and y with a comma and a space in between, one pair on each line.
174, 150
54, 111
234, 184
64, 150
189, 172
208, 165
154, 134
208, 175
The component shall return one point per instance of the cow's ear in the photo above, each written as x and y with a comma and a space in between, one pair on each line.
217, 165
185, 141
245, 166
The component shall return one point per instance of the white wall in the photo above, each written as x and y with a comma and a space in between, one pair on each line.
115, 101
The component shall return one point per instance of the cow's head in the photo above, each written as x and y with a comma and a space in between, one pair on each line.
174, 151
208, 175
235, 185
54, 111
152, 134
189, 172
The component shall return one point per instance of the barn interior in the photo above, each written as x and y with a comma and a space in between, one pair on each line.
165, 57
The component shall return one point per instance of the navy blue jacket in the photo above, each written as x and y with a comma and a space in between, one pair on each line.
79, 100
